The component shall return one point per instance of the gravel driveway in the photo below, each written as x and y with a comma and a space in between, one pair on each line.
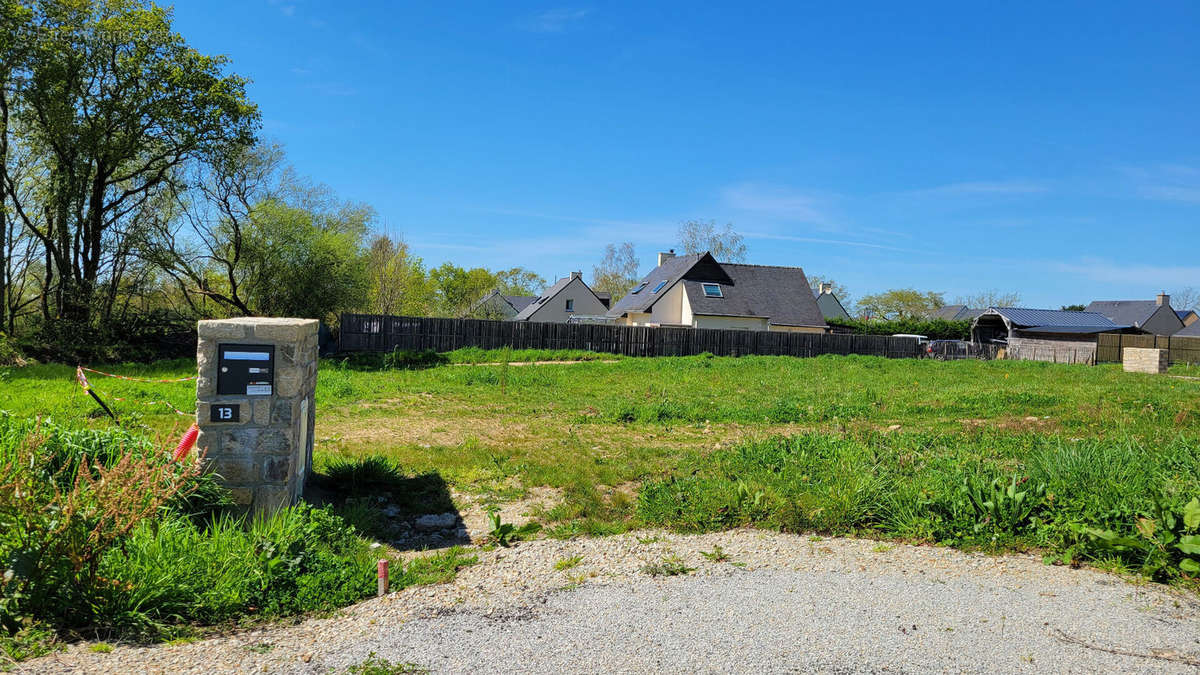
780, 603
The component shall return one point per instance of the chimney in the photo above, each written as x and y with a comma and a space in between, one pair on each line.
826, 288
576, 275
1163, 299
662, 257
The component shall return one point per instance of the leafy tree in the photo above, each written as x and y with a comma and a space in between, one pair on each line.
617, 271
991, 298
113, 103
456, 290
519, 281
698, 236
301, 263
1073, 308
900, 303
398, 281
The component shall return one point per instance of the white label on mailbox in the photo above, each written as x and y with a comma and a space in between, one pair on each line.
248, 356
258, 390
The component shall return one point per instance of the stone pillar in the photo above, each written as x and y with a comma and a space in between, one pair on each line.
254, 406
1143, 360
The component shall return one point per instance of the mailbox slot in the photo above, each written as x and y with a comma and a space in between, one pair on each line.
245, 370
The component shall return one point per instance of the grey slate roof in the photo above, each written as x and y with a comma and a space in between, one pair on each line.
830, 306
956, 313
1183, 314
671, 271
1056, 320
525, 312
1125, 312
519, 302
781, 295
1189, 331
947, 312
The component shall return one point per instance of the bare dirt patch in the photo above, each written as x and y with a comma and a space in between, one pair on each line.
1013, 424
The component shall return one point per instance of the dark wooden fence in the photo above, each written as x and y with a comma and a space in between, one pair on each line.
1180, 349
380, 333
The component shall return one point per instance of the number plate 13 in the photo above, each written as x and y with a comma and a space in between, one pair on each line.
224, 413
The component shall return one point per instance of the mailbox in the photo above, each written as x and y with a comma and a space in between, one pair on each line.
245, 370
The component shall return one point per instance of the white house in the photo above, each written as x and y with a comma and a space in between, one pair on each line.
699, 292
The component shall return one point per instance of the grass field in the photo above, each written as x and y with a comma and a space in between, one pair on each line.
832, 444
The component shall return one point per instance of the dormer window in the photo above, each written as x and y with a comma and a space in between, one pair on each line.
712, 290
659, 287
638, 288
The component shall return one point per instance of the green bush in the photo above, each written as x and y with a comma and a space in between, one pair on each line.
298, 560
10, 354
413, 360
66, 499
934, 329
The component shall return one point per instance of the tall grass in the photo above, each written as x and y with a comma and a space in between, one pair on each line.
996, 491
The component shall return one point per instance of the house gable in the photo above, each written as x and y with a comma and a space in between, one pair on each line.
566, 298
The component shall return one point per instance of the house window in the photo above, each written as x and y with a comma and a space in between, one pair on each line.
659, 287
712, 290
570, 305
638, 288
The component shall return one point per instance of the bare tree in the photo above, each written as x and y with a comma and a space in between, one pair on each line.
842, 293
989, 298
201, 243
617, 271
699, 236
1186, 298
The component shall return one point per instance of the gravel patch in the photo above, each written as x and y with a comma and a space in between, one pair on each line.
780, 603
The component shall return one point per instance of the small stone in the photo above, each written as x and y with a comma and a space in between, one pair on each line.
436, 521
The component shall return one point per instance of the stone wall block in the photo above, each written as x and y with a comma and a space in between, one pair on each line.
262, 412
206, 387
234, 470
217, 329
1144, 360
273, 442
277, 469
270, 498
283, 412
239, 441
288, 382
242, 496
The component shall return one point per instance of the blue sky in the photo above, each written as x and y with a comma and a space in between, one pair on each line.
1044, 148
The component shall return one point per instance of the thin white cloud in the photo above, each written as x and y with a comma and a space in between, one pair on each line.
1150, 277
1171, 193
1167, 182
983, 187
831, 242
553, 20
776, 202
286, 8
642, 230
